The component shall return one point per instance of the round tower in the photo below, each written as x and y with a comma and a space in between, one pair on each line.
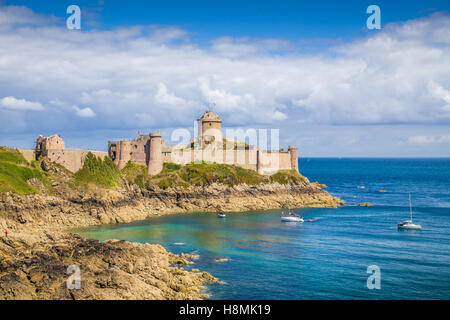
258, 162
210, 127
293, 151
155, 159
124, 153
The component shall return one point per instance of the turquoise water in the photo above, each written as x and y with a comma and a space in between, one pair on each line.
328, 258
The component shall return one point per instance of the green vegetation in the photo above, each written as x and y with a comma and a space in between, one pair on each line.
11, 155
203, 174
103, 173
15, 171
136, 173
288, 176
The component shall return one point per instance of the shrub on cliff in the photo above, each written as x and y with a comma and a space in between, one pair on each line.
203, 174
103, 173
288, 176
207, 173
15, 171
136, 174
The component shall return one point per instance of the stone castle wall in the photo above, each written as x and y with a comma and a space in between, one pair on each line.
151, 150
28, 154
209, 146
72, 159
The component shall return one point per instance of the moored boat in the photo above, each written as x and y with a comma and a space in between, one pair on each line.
408, 224
290, 216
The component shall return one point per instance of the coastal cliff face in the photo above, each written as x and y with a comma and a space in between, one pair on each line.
102, 206
36, 254
40, 201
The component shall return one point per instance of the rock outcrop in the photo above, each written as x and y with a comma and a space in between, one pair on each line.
38, 267
38, 250
364, 204
102, 206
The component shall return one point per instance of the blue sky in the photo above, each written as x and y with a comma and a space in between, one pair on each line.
290, 19
310, 69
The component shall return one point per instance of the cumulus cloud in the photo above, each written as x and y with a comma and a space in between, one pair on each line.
84, 112
278, 115
153, 77
19, 104
164, 97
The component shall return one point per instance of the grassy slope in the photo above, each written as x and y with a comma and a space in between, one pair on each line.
202, 174
15, 171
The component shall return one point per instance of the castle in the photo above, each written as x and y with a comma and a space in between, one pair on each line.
151, 150
209, 146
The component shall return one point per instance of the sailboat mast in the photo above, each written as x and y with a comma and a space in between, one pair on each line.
410, 206
289, 200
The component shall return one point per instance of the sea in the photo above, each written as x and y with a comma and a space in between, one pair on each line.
346, 253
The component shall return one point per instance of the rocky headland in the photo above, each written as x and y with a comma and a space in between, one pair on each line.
39, 247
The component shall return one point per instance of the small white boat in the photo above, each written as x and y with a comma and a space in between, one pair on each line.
408, 224
290, 216
222, 215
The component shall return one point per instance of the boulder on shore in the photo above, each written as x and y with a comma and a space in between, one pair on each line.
364, 204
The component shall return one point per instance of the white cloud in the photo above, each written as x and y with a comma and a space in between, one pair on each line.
279, 116
138, 70
440, 93
421, 140
164, 97
429, 139
85, 112
22, 16
19, 104
153, 77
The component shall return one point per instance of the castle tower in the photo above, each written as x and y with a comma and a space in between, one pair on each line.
293, 151
155, 159
44, 144
124, 153
210, 127
258, 162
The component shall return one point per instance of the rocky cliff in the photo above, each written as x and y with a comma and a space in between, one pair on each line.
103, 206
37, 267
38, 250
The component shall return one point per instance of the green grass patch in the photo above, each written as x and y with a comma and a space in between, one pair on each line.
15, 172
288, 177
203, 174
103, 173
11, 155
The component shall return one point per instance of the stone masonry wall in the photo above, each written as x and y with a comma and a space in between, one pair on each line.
72, 159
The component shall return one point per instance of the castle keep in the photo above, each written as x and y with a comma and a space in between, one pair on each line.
151, 150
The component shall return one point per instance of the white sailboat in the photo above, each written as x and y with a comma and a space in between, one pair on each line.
290, 216
408, 224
